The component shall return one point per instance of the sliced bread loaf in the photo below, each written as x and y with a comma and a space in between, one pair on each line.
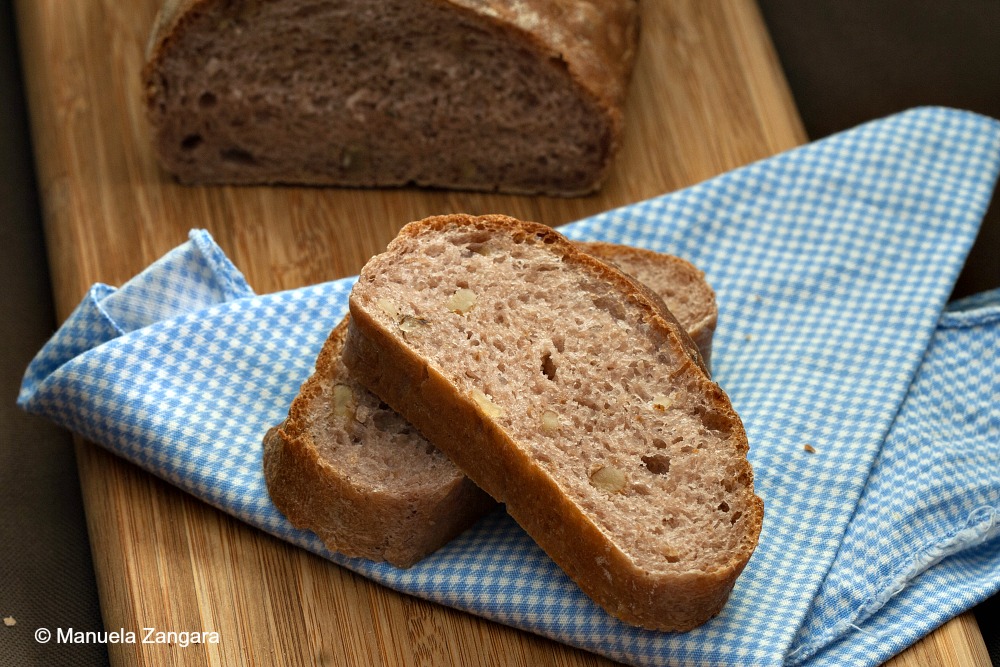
520, 96
562, 389
347, 467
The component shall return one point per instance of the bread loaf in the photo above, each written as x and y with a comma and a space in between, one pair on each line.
522, 97
346, 466
561, 388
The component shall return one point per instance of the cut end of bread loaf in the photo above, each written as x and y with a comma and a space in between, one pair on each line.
347, 467
557, 385
444, 93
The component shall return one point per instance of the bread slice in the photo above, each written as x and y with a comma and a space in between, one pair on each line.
345, 466
488, 95
561, 388
348, 468
680, 284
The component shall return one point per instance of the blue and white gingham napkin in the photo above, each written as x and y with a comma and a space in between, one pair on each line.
832, 264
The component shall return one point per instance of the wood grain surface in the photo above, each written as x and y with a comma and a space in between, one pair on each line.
707, 96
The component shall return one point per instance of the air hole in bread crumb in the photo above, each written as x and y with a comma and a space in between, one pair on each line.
207, 100
191, 142
384, 420
548, 366
713, 420
658, 464
670, 554
238, 156
610, 305
735, 517
723, 506
659, 443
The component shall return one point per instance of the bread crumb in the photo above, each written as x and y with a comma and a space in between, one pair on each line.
9, 621
809, 448
748, 337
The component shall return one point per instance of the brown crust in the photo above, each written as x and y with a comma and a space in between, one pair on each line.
595, 41
678, 601
398, 526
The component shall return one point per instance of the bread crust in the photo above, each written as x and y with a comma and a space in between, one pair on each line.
593, 41
677, 600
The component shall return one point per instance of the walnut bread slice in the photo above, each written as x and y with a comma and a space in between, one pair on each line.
347, 467
523, 96
561, 388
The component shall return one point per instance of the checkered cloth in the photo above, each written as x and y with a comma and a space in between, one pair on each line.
832, 264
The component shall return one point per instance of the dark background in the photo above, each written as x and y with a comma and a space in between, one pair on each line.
847, 61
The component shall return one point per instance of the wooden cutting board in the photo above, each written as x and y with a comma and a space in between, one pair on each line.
708, 95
